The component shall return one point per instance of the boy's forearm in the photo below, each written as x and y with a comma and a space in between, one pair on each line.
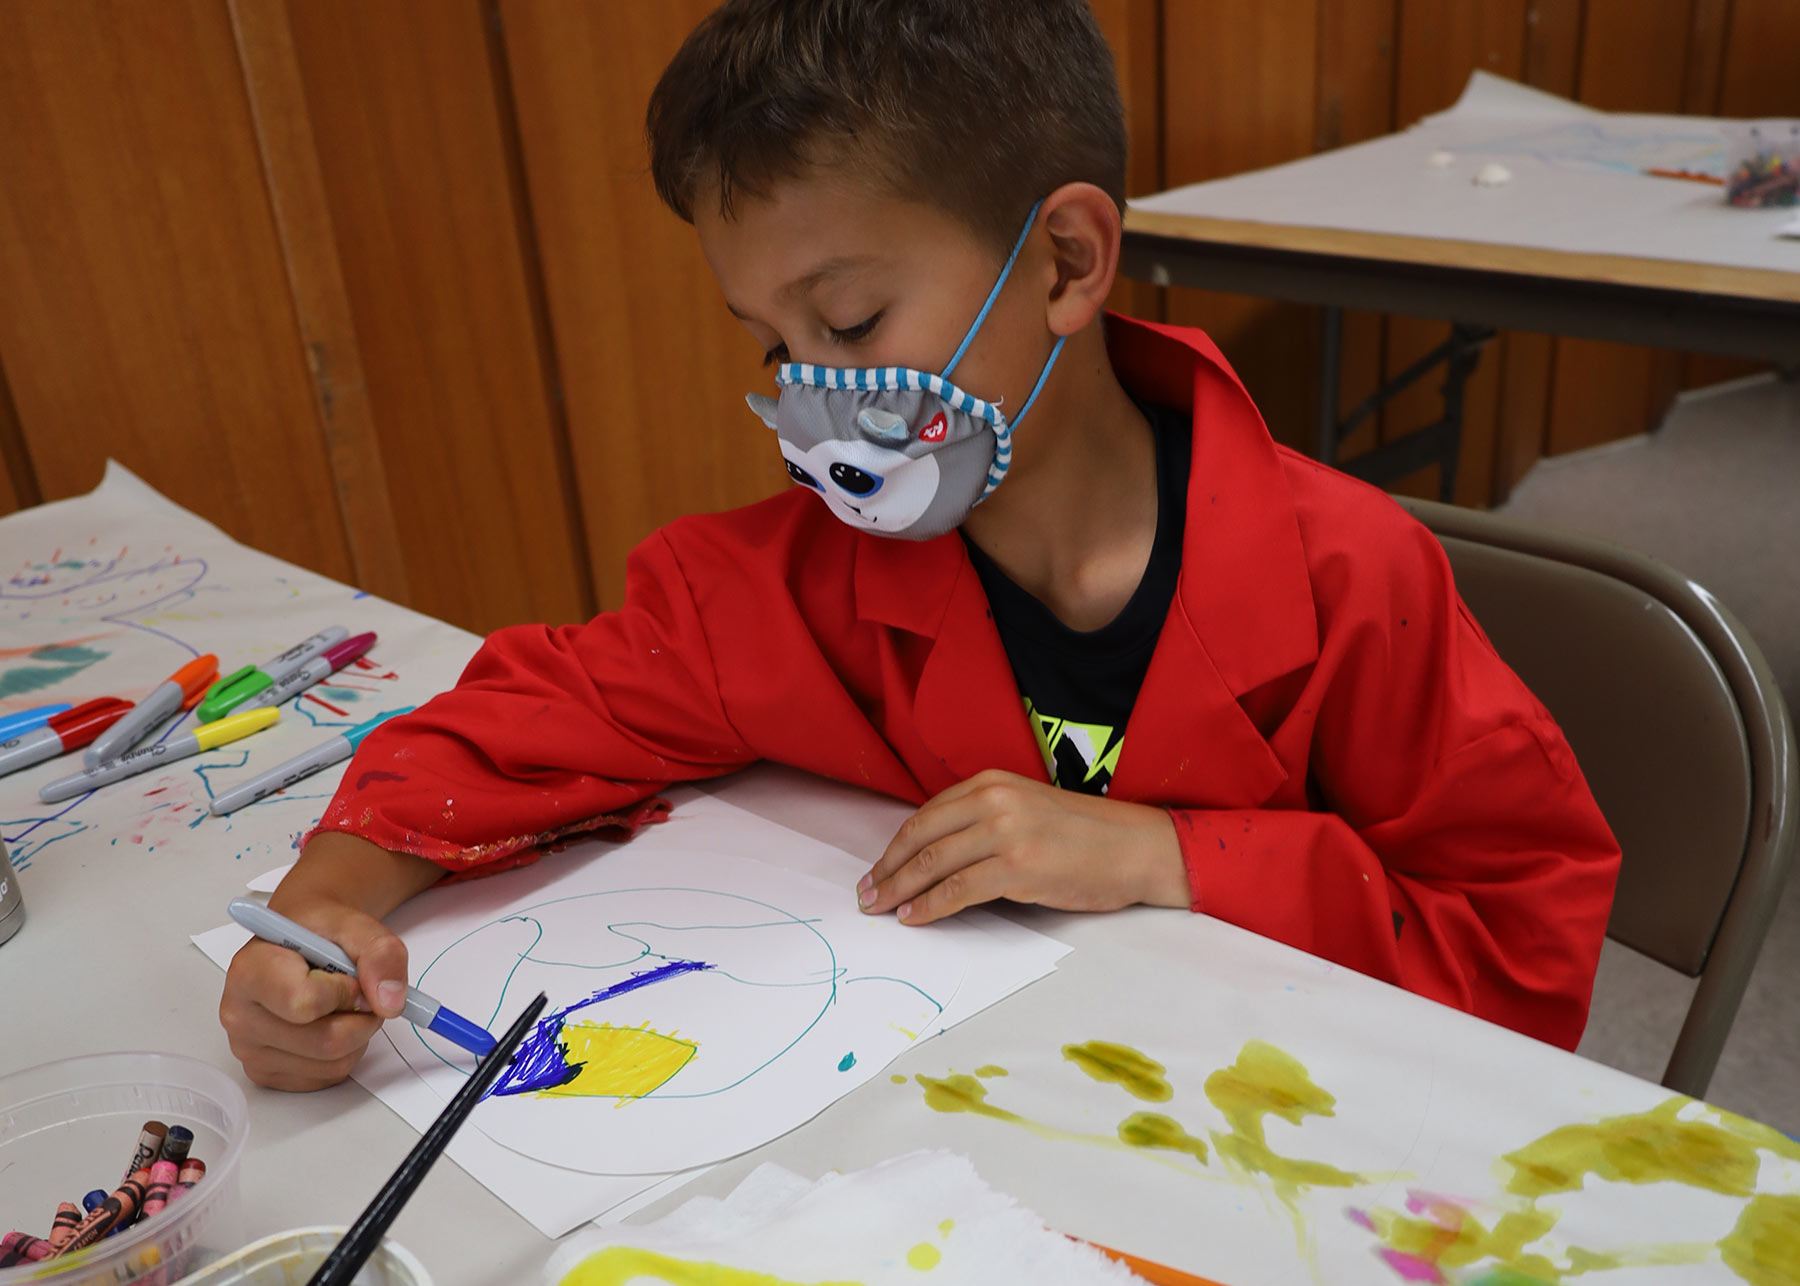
344, 868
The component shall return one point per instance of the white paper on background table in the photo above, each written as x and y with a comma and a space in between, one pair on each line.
109, 594
562, 1159
1576, 184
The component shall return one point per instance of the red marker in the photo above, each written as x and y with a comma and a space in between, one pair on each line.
70, 730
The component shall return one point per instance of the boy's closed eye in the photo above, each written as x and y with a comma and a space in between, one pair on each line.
837, 335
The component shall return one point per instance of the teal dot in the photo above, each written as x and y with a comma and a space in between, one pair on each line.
846, 1062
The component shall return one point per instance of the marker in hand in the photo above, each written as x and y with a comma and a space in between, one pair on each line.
420, 1010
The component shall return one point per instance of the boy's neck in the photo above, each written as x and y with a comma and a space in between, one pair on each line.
1075, 520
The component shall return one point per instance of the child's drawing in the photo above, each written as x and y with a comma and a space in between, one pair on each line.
701, 1003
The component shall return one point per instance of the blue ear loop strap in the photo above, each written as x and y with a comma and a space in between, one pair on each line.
969, 335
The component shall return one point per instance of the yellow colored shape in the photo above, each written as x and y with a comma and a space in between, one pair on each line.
923, 1257
945, 1227
990, 1070
1764, 1248
1646, 1147
1456, 1239
620, 1062
1154, 1130
1264, 1081
233, 726
897, 1079
1139, 1074
618, 1265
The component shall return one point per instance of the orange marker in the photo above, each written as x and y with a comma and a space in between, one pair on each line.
1155, 1274
180, 691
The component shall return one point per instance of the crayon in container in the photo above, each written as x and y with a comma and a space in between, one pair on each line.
68, 1126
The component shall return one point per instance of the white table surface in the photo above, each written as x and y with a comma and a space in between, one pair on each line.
1425, 1095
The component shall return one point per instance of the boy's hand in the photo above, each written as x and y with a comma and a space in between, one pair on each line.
999, 835
294, 1027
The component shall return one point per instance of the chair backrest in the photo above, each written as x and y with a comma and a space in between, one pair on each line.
1653, 724
1678, 725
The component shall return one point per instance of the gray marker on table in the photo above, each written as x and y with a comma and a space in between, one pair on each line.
301, 766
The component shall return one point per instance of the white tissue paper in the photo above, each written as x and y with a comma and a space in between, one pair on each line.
887, 1224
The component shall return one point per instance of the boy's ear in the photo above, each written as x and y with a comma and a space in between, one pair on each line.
1084, 227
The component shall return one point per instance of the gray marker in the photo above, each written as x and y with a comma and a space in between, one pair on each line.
322, 953
205, 737
319, 758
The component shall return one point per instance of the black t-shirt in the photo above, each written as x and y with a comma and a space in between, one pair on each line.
1079, 685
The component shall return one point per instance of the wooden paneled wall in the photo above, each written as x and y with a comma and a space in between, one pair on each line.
384, 289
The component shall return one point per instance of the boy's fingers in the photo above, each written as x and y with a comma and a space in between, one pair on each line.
941, 859
279, 981
982, 881
379, 956
949, 811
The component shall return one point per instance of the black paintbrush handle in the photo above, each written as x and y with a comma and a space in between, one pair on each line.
365, 1234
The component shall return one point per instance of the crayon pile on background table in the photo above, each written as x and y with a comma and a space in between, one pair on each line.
161, 1173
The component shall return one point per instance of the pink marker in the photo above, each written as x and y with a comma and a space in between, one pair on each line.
314, 671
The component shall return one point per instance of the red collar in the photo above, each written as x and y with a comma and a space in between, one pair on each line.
1244, 586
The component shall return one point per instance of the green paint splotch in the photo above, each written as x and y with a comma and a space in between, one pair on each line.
1263, 1082
51, 666
1137, 1073
1719, 1155
1154, 1130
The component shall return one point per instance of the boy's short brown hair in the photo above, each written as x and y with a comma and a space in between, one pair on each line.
980, 107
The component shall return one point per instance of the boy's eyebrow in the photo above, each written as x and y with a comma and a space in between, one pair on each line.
831, 267
800, 285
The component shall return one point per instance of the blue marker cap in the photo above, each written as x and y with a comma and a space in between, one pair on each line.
355, 735
11, 725
461, 1031
93, 1199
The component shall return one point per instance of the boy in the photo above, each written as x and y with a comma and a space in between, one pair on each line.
1133, 653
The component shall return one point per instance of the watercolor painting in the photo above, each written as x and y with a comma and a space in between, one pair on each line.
1557, 1210
701, 1003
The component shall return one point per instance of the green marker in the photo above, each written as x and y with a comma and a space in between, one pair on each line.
235, 689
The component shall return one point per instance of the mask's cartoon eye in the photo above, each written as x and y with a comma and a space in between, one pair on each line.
801, 476
854, 480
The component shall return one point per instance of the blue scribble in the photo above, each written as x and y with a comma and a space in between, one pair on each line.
542, 1061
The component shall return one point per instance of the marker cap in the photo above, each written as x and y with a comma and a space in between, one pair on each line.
81, 725
464, 1033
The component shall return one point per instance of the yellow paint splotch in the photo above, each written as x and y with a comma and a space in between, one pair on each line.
1137, 1073
924, 1257
1154, 1130
1644, 1147
1764, 1247
620, 1062
618, 1265
988, 1070
1267, 1081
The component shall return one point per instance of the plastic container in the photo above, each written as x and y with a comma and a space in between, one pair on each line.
70, 1126
290, 1258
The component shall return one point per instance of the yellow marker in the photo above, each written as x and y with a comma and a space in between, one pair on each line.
203, 738
221, 732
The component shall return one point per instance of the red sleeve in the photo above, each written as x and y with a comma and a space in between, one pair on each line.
549, 732
1458, 852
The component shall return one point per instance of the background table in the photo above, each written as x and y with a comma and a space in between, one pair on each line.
1579, 242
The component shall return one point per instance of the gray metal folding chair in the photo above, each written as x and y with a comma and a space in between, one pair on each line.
1680, 728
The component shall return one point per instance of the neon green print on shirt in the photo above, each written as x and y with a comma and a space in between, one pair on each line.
1091, 748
